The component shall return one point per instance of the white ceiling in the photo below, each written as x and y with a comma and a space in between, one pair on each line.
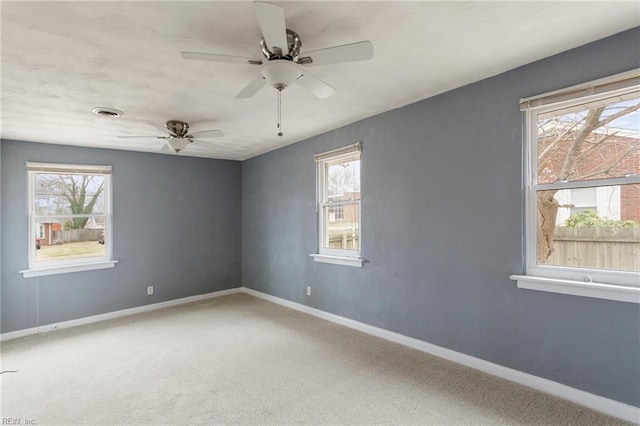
61, 59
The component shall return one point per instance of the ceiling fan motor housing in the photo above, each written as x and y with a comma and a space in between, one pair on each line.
293, 48
177, 127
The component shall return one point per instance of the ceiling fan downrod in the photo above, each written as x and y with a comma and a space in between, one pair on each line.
280, 113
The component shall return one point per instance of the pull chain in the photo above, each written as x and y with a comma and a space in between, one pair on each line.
279, 113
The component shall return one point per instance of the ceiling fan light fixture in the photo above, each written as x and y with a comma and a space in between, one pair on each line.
281, 73
177, 144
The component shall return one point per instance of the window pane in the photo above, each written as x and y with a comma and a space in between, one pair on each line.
57, 194
583, 197
594, 141
343, 181
341, 227
70, 238
603, 236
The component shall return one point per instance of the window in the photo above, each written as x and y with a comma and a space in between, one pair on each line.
69, 218
581, 199
336, 213
583, 187
339, 206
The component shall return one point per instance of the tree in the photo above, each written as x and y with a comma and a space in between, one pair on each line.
69, 194
343, 179
578, 146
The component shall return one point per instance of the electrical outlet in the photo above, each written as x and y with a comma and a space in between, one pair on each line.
308, 290
150, 290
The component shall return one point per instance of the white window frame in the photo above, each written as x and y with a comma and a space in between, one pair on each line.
346, 257
37, 269
597, 283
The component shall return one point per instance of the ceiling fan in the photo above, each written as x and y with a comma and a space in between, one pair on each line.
283, 63
178, 136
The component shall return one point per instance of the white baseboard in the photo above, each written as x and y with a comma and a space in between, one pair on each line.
111, 315
19, 333
598, 403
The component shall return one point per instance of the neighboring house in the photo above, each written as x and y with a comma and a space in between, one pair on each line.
604, 200
613, 202
95, 223
49, 232
344, 213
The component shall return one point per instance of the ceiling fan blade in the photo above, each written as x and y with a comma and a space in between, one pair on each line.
272, 25
138, 137
315, 85
220, 58
202, 143
207, 134
252, 88
162, 128
333, 55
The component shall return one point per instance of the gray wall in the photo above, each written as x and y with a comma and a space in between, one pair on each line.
176, 226
442, 226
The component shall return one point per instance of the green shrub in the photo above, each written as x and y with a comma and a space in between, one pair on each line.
587, 218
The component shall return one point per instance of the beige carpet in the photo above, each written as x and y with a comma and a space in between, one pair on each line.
242, 360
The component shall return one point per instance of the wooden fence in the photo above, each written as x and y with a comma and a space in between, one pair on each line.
71, 235
344, 237
597, 247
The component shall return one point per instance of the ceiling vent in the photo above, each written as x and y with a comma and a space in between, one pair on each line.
107, 112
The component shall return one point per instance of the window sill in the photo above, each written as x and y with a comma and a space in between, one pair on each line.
356, 262
619, 293
78, 267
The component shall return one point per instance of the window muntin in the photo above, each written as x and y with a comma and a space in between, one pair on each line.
70, 214
584, 192
339, 202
